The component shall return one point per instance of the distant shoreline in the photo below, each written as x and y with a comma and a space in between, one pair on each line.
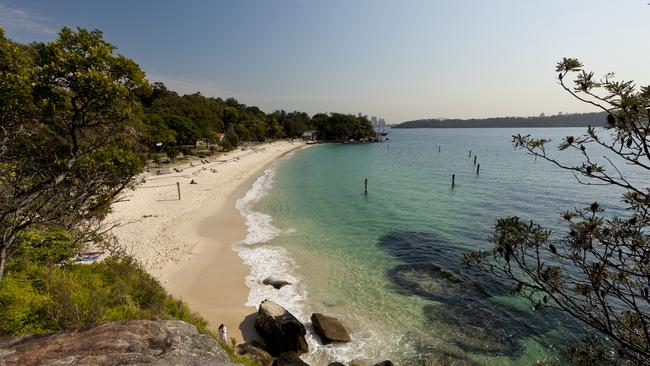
595, 119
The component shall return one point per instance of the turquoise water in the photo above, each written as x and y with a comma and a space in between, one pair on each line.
388, 263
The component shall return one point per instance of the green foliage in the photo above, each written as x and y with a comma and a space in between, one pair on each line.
597, 271
231, 350
69, 143
16, 73
39, 298
338, 126
176, 120
46, 246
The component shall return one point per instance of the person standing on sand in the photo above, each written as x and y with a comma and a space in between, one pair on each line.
222, 333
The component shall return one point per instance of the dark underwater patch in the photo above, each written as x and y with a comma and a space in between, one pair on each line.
464, 316
429, 253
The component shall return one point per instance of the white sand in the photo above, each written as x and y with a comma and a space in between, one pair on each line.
187, 243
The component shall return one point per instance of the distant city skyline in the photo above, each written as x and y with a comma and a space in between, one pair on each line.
403, 60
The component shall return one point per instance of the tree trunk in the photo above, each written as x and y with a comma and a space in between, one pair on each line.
4, 249
3, 259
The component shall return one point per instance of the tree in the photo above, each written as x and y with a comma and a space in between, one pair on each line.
69, 145
599, 271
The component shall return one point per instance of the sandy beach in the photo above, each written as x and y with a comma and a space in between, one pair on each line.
187, 243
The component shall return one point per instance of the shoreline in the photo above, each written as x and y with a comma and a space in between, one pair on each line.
188, 244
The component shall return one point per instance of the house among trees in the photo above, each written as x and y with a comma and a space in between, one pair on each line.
310, 135
218, 136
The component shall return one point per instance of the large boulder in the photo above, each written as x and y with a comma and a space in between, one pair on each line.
126, 342
289, 359
330, 329
385, 363
276, 283
281, 331
255, 352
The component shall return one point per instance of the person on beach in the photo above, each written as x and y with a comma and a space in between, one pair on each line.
222, 333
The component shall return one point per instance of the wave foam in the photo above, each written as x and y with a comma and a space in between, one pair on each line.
273, 261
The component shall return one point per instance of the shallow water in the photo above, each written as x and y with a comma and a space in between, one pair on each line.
388, 263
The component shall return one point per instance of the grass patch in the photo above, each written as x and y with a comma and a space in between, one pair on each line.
36, 297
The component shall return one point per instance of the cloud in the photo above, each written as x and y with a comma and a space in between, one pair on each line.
19, 19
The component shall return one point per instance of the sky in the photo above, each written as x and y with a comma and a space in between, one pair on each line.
400, 60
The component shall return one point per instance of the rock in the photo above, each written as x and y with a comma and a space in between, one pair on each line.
193, 182
357, 363
330, 329
277, 284
255, 352
336, 364
385, 363
289, 359
125, 342
281, 331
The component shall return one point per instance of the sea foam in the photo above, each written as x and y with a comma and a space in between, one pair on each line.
267, 260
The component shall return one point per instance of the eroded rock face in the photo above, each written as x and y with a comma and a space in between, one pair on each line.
255, 352
385, 363
126, 342
281, 331
289, 359
276, 283
330, 329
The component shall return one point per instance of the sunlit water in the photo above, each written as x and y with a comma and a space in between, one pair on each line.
388, 264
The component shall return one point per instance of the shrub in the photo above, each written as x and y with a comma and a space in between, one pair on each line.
43, 298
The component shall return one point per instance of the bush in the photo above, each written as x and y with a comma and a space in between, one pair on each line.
46, 247
43, 298
201, 153
172, 152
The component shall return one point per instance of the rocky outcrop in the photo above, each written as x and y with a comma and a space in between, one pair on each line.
289, 359
329, 329
368, 363
336, 364
281, 331
255, 352
277, 284
126, 342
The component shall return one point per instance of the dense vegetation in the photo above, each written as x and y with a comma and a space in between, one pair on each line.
77, 123
559, 120
178, 122
68, 146
598, 271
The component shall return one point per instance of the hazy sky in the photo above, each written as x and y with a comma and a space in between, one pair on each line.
398, 59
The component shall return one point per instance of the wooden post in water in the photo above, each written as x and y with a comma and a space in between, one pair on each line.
453, 180
478, 167
178, 187
474, 159
365, 188
470, 154
438, 148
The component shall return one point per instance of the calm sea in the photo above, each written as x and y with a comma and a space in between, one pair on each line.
388, 264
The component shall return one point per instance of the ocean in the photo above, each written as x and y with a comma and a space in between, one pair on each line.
388, 264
